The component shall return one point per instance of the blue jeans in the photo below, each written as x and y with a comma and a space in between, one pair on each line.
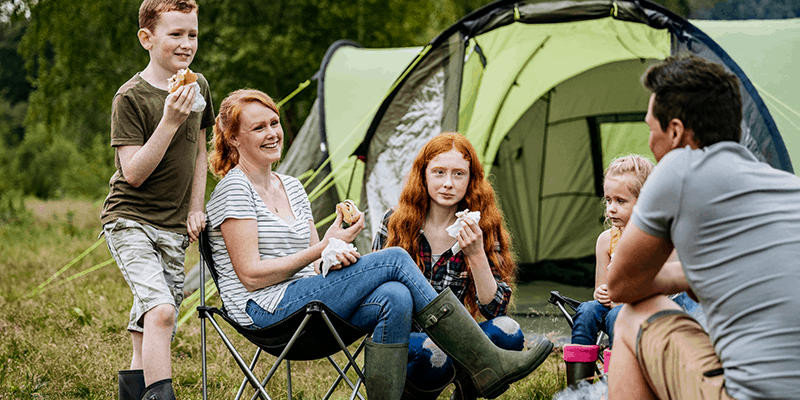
590, 318
379, 294
429, 367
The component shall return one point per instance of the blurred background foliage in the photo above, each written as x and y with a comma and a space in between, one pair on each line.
61, 61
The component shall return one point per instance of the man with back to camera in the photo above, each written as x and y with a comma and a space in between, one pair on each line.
735, 223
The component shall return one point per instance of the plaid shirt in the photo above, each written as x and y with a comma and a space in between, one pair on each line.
451, 271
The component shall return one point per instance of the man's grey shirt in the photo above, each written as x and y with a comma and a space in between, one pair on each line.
735, 223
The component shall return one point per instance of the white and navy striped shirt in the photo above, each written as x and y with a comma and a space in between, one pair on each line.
235, 197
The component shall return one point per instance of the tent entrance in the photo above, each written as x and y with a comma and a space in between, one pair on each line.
548, 169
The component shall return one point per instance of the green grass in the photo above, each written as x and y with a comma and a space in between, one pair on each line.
69, 340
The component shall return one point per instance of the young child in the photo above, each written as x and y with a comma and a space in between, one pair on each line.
155, 205
624, 178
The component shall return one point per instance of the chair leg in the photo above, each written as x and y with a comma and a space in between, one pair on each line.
289, 379
343, 376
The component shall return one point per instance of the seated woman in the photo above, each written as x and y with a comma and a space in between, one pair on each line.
267, 252
476, 265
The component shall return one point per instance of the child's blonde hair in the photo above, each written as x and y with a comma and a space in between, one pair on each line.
635, 165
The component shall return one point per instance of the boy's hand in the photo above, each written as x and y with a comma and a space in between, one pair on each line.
178, 105
195, 224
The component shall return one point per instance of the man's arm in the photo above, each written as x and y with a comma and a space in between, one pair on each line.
196, 220
638, 260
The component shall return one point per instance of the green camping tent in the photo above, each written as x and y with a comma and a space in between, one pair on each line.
548, 93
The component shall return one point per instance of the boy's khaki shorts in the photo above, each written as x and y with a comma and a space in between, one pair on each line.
151, 260
678, 359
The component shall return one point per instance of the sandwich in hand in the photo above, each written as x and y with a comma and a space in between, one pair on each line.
349, 211
183, 77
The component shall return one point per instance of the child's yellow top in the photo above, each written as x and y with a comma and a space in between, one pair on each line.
616, 233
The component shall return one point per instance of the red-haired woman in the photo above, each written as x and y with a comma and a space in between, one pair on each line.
476, 266
267, 251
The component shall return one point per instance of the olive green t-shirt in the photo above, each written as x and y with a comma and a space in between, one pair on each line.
163, 199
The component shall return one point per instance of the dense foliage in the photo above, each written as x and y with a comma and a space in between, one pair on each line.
61, 62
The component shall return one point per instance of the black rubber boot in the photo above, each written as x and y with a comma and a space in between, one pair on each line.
490, 368
161, 390
131, 384
384, 370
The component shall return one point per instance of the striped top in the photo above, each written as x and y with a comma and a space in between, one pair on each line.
235, 197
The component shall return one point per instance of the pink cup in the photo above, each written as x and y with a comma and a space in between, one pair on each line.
580, 352
580, 360
606, 360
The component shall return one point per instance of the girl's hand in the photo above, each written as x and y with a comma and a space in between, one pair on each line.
470, 237
346, 235
601, 295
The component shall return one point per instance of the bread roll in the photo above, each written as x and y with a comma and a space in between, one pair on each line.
349, 211
183, 77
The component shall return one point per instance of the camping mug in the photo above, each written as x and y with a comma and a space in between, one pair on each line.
580, 360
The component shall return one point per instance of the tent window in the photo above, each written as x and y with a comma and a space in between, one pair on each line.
614, 136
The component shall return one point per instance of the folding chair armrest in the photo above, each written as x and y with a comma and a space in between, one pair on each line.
556, 298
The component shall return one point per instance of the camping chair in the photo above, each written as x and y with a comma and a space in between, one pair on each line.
564, 302
310, 333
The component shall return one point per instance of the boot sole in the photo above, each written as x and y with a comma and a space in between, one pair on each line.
496, 390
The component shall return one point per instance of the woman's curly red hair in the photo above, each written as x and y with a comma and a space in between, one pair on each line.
412, 208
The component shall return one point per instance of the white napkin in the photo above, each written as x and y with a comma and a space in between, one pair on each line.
199, 101
453, 230
334, 248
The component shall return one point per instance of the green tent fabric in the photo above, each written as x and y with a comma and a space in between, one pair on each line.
549, 94
766, 50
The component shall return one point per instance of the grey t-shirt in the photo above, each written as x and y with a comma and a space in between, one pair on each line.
735, 223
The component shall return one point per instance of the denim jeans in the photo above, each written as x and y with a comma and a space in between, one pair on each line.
429, 367
379, 293
590, 318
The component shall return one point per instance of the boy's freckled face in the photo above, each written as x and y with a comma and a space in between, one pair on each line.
174, 41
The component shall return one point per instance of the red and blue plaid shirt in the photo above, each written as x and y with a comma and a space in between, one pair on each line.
451, 271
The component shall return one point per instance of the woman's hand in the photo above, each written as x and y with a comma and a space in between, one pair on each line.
601, 295
347, 235
470, 237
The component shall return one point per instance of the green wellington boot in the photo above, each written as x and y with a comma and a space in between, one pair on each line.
411, 392
131, 384
385, 370
490, 368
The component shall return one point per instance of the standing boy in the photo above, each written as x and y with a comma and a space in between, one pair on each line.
735, 224
155, 205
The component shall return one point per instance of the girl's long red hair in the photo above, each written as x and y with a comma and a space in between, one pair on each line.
412, 208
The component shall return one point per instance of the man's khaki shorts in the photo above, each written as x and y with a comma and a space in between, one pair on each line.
678, 359
151, 260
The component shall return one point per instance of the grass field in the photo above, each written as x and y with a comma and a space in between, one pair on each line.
68, 340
